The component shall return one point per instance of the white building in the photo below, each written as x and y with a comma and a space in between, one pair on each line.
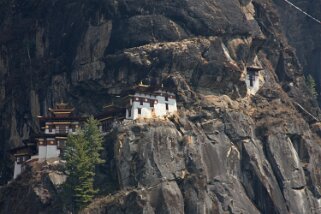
56, 129
151, 105
21, 155
139, 102
19, 164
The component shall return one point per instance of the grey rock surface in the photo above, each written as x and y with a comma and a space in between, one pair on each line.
225, 151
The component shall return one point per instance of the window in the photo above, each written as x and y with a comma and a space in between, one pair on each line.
20, 159
50, 128
152, 103
141, 102
129, 112
166, 98
139, 111
62, 129
61, 144
167, 106
252, 79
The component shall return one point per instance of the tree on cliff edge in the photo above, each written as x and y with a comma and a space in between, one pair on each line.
82, 154
311, 85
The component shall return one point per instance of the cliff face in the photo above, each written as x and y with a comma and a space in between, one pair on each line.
303, 34
224, 151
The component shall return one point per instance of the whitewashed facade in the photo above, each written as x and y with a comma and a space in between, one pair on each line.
20, 158
17, 169
47, 151
151, 105
18, 166
49, 146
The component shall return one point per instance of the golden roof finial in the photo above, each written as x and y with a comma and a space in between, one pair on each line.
141, 84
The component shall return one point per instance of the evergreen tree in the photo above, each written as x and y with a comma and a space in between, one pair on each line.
82, 154
311, 85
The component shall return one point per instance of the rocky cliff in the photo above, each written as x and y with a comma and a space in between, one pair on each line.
225, 151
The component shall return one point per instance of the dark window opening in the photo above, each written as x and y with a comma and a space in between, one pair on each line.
62, 129
141, 102
166, 98
139, 111
129, 112
252, 77
19, 160
166, 106
61, 144
152, 104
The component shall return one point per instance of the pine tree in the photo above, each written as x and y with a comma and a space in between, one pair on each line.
82, 154
311, 85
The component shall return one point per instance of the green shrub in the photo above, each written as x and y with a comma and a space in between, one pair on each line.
311, 85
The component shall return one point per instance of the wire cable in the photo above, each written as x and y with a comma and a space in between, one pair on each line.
302, 11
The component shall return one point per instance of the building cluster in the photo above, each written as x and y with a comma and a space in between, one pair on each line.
50, 142
139, 102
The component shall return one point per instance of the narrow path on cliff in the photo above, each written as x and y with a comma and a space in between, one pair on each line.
302, 11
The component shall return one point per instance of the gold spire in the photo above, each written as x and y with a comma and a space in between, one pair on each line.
141, 84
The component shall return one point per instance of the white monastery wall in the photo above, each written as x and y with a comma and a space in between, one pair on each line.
52, 151
17, 170
159, 109
42, 152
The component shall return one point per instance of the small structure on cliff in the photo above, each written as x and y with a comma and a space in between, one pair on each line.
50, 143
21, 155
252, 78
139, 102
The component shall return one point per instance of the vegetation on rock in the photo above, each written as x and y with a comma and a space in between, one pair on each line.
311, 85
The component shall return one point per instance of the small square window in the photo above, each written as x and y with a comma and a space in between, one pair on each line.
61, 143
139, 111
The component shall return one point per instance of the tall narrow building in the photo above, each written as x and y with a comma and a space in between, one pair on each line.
56, 127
